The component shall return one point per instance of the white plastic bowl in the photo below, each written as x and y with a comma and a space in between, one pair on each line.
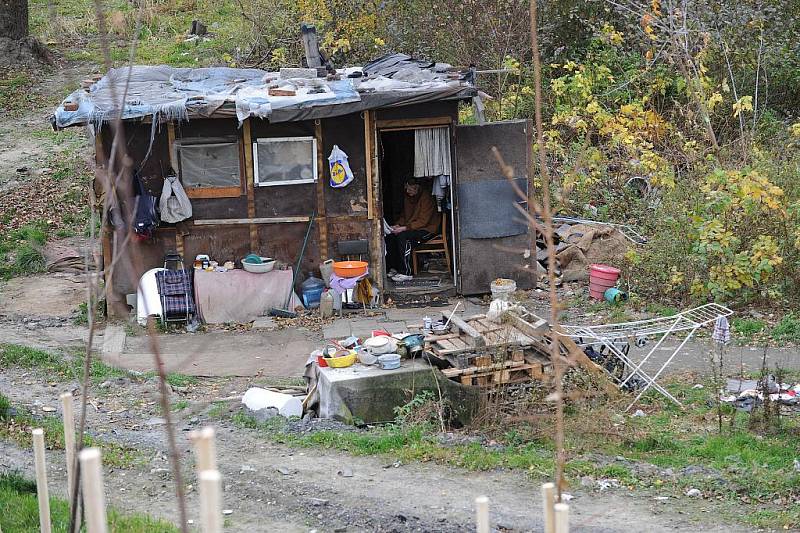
259, 268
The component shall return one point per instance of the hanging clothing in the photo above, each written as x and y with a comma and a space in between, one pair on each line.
432, 152
174, 204
722, 331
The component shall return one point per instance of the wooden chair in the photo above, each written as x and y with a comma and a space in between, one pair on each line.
436, 245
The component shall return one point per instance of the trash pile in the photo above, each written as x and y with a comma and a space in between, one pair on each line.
747, 394
580, 243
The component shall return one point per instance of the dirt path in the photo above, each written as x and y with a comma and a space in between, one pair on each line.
274, 487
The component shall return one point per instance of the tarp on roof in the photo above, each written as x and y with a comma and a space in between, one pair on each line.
169, 93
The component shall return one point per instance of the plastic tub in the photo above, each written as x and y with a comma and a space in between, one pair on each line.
502, 288
601, 278
390, 361
350, 269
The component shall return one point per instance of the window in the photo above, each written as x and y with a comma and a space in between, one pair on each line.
285, 160
210, 163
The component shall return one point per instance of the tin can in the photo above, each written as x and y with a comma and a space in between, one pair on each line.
427, 323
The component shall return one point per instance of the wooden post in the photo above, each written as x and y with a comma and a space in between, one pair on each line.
562, 517
322, 225
482, 514
204, 449
250, 182
210, 501
308, 34
548, 498
41, 480
94, 499
69, 440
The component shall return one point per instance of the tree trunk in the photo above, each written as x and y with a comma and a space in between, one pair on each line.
14, 19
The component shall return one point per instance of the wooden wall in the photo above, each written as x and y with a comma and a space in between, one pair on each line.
341, 213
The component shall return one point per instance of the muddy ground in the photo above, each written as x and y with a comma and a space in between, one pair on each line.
274, 487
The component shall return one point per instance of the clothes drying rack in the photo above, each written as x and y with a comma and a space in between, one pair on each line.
617, 339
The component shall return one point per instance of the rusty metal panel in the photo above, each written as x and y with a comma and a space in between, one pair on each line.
483, 260
221, 243
348, 231
206, 208
284, 242
137, 257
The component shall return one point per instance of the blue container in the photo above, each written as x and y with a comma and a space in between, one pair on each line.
614, 295
311, 290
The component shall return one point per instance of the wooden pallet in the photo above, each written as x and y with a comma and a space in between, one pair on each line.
491, 375
477, 334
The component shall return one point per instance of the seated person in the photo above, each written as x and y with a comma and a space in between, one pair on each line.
419, 222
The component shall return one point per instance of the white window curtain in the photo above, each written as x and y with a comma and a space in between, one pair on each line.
432, 152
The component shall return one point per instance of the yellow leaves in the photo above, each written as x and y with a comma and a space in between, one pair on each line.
611, 35
794, 129
655, 5
714, 101
745, 103
511, 64
725, 87
379, 42
593, 107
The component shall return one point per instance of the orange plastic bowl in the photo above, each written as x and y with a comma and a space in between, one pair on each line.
350, 269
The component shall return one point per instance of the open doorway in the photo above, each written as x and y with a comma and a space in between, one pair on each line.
415, 170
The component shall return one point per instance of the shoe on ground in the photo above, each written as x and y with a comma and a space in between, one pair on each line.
402, 277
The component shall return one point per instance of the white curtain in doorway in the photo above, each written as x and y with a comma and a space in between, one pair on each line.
432, 152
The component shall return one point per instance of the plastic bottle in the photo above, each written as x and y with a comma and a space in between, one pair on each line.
326, 304
312, 289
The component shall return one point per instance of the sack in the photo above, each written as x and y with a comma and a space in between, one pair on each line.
341, 174
145, 218
174, 204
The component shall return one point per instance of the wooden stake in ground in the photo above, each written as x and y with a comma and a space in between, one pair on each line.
69, 440
210, 501
562, 517
41, 480
548, 498
482, 514
205, 449
94, 499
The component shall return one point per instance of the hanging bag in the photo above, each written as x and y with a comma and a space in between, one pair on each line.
341, 174
174, 204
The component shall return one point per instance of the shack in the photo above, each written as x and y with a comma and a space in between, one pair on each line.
251, 150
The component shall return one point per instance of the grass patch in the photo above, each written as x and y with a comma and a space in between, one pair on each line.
17, 422
788, 329
19, 511
21, 250
181, 380
747, 328
180, 405
67, 368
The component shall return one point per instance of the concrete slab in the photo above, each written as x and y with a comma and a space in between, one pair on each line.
363, 327
265, 322
280, 353
340, 329
113, 341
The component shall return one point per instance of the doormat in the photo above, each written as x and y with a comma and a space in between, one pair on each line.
418, 283
410, 301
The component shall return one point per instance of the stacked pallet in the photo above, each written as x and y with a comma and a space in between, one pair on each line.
517, 350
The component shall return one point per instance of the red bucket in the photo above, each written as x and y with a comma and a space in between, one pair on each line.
601, 277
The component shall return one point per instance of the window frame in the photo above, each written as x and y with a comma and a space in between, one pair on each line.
229, 191
270, 140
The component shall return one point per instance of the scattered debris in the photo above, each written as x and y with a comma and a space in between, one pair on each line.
345, 472
694, 493
639, 413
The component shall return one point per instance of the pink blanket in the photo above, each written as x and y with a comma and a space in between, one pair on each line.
237, 296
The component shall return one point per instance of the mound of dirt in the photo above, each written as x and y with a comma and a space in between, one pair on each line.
25, 52
592, 244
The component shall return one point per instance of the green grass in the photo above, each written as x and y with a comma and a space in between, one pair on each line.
181, 380
746, 328
19, 511
67, 368
180, 405
17, 428
759, 467
21, 250
788, 329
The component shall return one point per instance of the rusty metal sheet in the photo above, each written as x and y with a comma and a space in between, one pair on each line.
347, 132
483, 260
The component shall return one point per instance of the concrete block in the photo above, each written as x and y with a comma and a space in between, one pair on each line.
113, 341
340, 329
265, 323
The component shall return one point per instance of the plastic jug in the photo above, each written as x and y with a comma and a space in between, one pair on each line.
312, 290
326, 304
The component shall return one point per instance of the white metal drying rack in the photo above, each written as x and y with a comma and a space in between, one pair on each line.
613, 336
